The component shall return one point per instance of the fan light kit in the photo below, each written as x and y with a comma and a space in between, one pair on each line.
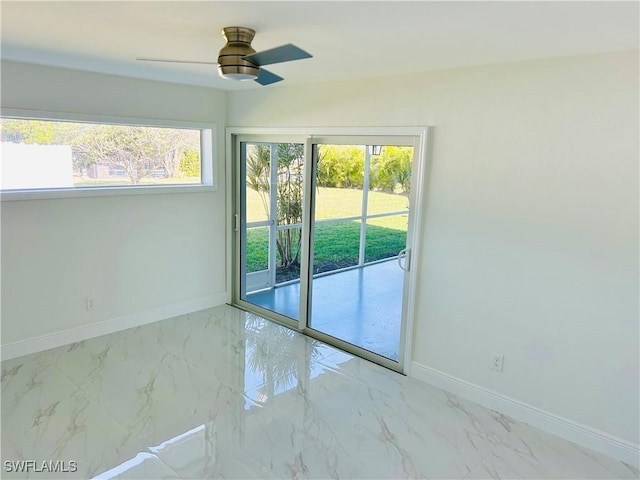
239, 61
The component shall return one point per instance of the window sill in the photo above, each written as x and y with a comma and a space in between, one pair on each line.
45, 194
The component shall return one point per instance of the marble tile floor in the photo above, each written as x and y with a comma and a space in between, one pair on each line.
226, 394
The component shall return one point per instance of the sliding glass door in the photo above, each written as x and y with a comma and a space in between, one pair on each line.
360, 222
323, 236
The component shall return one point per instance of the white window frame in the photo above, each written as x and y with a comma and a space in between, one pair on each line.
208, 157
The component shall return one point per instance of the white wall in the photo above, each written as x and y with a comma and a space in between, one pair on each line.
134, 254
530, 245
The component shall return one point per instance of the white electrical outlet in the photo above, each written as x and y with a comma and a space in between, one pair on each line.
91, 304
497, 362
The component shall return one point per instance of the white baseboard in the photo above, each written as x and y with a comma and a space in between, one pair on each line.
77, 334
562, 427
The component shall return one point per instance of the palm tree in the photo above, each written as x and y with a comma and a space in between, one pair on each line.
289, 189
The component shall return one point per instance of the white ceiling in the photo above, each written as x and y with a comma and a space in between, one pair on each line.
347, 39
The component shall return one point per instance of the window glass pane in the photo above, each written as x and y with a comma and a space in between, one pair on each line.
257, 249
390, 180
386, 236
288, 244
54, 154
258, 179
335, 245
382, 202
339, 180
290, 186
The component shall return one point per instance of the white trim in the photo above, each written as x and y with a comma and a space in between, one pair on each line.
419, 173
280, 132
208, 150
229, 215
84, 332
97, 118
562, 427
79, 192
272, 248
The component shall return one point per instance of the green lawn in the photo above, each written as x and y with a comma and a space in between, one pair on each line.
336, 245
336, 203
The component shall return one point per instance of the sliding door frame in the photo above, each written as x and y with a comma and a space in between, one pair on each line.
306, 135
237, 221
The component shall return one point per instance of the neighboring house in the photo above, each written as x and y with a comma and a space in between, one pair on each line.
102, 170
109, 170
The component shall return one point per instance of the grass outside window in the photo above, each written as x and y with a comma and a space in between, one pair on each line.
336, 244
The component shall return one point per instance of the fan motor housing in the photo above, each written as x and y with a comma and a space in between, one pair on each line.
231, 62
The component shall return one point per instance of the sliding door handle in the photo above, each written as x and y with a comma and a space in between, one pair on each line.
406, 254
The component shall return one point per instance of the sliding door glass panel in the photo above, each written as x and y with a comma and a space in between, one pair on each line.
390, 174
258, 183
271, 206
339, 181
386, 237
288, 243
361, 208
257, 248
336, 245
255, 221
289, 198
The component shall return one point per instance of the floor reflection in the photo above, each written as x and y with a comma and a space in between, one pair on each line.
226, 394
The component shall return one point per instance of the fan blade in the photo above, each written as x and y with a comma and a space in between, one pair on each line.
265, 77
283, 53
175, 61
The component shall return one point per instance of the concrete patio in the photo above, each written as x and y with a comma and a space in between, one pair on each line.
362, 306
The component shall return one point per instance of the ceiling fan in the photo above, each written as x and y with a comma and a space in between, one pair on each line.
239, 61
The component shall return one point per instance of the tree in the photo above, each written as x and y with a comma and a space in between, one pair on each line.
343, 167
30, 131
122, 146
139, 151
190, 164
258, 173
47, 133
391, 170
289, 190
172, 144
340, 166
289, 201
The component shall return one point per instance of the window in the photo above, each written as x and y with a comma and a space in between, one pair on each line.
63, 155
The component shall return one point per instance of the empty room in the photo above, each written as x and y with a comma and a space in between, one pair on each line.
320, 239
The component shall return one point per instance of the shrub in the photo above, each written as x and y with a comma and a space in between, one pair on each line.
340, 166
391, 170
190, 164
